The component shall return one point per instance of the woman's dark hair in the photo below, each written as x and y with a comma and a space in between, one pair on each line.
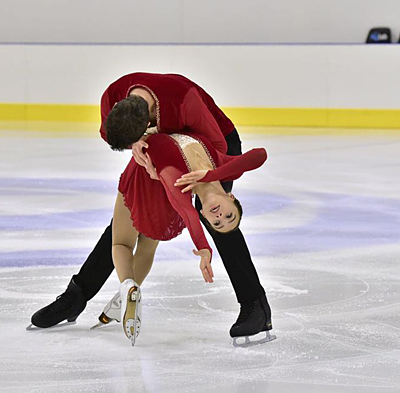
240, 211
127, 122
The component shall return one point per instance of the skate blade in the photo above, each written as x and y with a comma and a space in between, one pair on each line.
101, 324
132, 328
131, 320
238, 341
104, 320
32, 327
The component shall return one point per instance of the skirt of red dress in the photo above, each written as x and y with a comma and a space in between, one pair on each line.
151, 212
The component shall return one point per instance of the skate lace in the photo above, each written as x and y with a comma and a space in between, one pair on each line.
63, 301
245, 312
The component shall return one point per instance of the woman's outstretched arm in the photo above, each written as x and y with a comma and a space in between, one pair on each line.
232, 168
183, 205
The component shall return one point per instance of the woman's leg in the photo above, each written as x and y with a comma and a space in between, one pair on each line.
124, 238
143, 258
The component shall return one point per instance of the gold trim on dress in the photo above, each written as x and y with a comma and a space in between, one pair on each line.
182, 153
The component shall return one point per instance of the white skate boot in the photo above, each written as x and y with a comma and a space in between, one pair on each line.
111, 312
131, 309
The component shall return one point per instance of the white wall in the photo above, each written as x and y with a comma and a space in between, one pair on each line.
364, 76
193, 21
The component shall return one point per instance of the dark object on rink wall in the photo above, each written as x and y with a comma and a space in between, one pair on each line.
379, 35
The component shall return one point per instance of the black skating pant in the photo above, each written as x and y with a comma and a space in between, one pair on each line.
231, 247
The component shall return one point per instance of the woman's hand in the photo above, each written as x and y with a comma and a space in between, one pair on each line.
150, 168
192, 179
205, 264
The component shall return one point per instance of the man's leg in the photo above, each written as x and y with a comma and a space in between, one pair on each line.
236, 258
255, 312
82, 287
232, 247
97, 267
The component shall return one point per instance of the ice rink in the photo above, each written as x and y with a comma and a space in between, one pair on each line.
322, 221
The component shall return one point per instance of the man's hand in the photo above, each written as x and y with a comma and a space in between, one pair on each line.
191, 178
205, 264
137, 152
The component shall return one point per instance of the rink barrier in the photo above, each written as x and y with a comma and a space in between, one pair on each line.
23, 114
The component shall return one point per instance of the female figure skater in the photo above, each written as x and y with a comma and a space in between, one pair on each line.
149, 209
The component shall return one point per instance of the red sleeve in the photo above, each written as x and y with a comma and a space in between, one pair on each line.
234, 166
197, 117
182, 203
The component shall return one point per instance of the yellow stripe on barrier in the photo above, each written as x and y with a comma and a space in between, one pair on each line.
315, 117
50, 112
263, 117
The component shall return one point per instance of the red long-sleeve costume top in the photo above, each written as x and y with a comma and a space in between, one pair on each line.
181, 106
159, 209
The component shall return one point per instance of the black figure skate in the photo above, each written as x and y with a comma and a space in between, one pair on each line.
67, 307
254, 318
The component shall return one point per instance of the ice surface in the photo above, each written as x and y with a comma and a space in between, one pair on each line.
321, 218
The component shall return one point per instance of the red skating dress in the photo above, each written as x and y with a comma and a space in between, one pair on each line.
159, 209
181, 106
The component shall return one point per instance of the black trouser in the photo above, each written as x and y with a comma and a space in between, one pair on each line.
231, 247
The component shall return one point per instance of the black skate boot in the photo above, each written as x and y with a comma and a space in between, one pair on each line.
253, 318
67, 306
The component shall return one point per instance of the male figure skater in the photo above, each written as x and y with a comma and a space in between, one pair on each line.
170, 103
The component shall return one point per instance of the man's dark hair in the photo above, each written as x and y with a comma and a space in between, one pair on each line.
127, 122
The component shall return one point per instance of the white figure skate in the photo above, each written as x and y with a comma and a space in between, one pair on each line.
111, 312
131, 309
